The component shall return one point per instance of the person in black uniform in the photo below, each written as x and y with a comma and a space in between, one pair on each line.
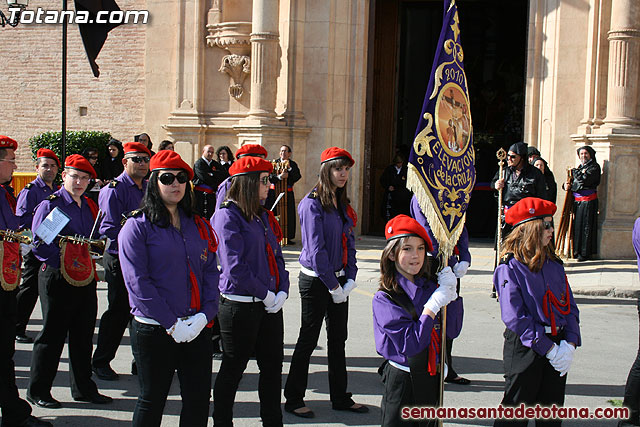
15, 411
586, 179
292, 175
112, 166
397, 197
32, 194
225, 158
208, 174
537, 161
520, 180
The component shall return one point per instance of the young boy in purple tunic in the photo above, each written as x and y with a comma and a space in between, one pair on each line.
254, 286
538, 309
406, 320
168, 260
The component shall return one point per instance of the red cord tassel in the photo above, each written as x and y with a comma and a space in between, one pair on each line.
273, 265
434, 351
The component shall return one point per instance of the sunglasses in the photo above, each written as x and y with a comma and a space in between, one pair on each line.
168, 178
139, 159
547, 225
512, 156
264, 180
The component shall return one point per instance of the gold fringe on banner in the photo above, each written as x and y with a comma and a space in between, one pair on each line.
446, 241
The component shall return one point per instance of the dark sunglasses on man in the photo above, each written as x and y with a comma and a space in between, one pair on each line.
167, 178
139, 159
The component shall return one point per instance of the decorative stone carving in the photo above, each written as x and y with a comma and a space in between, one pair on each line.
232, 36
237, 67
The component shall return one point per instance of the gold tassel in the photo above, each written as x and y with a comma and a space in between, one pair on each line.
446, 241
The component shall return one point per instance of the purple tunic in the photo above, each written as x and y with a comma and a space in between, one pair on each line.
116, 201
80, 224
8, 221
521, 295
397, 335
463, 240
243, 255
322, 241
29, 198
636, 240
221, 193
155, 265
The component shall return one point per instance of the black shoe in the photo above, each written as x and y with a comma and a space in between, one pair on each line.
98, 399
134, 368
105, 373
23, 338
356, 407
45, 402
291, 242
304, 414
582, 258
31, 421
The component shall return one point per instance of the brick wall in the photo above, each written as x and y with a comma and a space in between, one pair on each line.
30, 80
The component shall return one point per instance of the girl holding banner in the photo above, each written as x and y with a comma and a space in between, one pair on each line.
406, 322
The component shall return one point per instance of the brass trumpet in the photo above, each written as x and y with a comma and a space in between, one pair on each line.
14, 236
96, 246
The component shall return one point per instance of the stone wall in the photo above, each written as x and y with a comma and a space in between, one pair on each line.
30, 79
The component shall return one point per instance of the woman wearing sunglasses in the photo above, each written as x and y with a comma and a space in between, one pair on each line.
538, 309
173, 302
327, 276
254, 286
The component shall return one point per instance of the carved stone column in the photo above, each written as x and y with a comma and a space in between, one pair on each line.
624, 66
264, 58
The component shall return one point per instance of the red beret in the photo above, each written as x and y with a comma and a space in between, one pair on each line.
334, 153
248, 164
404, 226
528, 209
167, 159
76, 161
251, 150
6, 142
48, 154
136, 147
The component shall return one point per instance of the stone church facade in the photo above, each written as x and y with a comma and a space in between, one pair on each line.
299, 72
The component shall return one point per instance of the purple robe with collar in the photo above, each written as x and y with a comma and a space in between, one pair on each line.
243, 256
396, 334
8, 220
30, 198
322, 249
521, 293
156, 263
80, 224
115, 201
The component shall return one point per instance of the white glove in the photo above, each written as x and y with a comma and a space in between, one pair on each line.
338, 295
196, 324
349, 286
553, 353
445, 293
446, 278
567, 358
281, 297
269, 300
460, 269
25, 249
557, 358
180, 332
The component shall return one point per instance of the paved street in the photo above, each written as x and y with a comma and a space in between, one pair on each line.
609, 331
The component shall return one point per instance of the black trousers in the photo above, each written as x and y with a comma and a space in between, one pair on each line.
585, 226
245, 328
27, 292
115, 319
14, 409
539, 383
398, 392
317, 306
158, 356
632, 389
451, 374
66, 311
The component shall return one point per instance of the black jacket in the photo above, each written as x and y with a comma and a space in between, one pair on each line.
211, 175
587, 176
530, 183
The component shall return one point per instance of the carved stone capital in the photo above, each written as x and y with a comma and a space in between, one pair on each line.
232, 36
237, 67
